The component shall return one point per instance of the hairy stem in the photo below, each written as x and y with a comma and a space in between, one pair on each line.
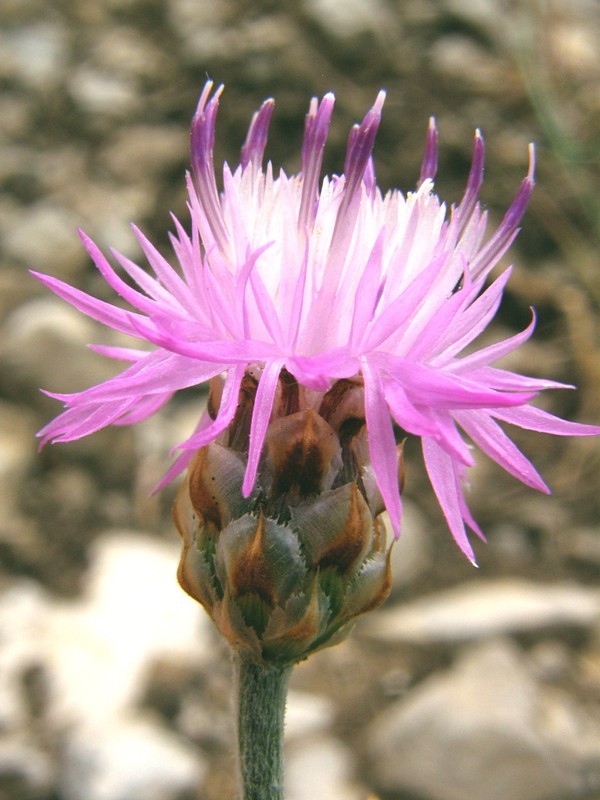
261, 690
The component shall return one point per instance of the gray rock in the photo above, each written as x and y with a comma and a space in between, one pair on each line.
307, 715
17, 449
94, 653
24, 609
484, 730
412, 553
344, 20
321, 769
200, 25
100, 92
480, 610
54, 337
129, 759
26, 772
458, 57
35, 54
43, 237
133, 613
141, 152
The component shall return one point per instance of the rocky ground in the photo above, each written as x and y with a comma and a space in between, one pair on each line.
469, 684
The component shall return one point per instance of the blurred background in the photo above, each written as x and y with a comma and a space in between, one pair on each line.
469, 684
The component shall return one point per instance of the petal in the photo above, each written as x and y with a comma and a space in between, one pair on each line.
430, 156
534, 419
227, 408
382, 445
445, 481
493, 352
427, 386
491, 439
261, 414
111, 316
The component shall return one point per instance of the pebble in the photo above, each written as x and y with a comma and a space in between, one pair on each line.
142, 152
102, 93
133, 613
54, 338
93, 653
26, 772
307, 715
17, 450
350, 18
321, 769
480, 610
487, 731
130, 759
413, 551
43, 237
34, 55
200, 25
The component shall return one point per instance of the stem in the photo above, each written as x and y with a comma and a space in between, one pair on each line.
261, 690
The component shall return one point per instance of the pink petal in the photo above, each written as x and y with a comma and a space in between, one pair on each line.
108, 315
382, 445
263, 405
534, 419
227, 408
446, 485
491, 439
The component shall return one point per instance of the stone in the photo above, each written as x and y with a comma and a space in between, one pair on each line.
43, 237
484, 730
307, 715
321, 769
24, 610
142, 152
26, 772
44, 344
35, 54
129, 759
17, 450
93, 655
99, 92
133, 612
479, 610
412, 552
344, 20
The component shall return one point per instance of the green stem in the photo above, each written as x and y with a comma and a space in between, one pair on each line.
261, 690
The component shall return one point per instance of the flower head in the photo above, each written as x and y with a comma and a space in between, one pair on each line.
359, 300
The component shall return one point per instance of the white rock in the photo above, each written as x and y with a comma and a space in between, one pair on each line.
100, 92
17, 450
345, 18
321, 769
43, 237
30, 771
483, 730
483, 609
200, 24
133, 613
35, 54
307, 715
54, 336
94, 654
412, 552
140, 152
24, 610
129, 759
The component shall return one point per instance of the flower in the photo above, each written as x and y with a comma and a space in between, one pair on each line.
323, 284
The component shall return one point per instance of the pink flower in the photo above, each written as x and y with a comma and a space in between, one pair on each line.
329, 281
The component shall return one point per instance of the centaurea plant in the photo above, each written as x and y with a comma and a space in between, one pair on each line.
331, 321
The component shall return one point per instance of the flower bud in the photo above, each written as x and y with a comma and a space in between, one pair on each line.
285, 571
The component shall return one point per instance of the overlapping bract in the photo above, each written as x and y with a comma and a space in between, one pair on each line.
328, 281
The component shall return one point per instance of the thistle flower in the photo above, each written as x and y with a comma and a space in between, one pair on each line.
330, 297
